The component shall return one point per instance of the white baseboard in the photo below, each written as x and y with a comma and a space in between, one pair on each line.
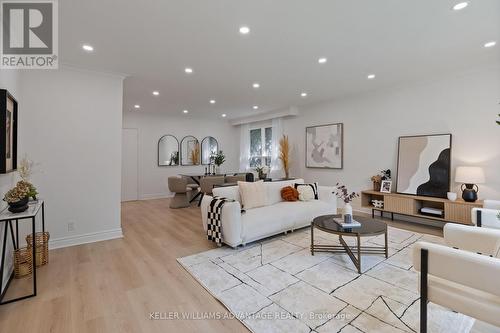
85, 238
151, 196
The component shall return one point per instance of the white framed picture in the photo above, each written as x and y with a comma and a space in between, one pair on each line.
386, 186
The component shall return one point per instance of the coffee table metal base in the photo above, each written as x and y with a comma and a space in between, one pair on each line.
345, 248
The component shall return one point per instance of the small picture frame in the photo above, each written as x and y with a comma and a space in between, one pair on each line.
8, 132
386, 186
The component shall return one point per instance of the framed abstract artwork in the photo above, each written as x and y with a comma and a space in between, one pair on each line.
325, 146
424, 163
8, 132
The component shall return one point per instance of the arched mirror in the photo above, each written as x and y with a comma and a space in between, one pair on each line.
209, 146
190, 151
168, 151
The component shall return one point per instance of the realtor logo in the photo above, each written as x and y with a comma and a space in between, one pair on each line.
29, 35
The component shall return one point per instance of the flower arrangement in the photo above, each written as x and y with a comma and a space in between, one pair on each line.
344, 194
218, 158
284, 154
195, 155
16, 194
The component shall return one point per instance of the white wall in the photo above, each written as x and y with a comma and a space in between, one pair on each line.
9, 80
70, 124
465, 105
153, 125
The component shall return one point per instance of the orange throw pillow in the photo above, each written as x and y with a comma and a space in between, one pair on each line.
289, 194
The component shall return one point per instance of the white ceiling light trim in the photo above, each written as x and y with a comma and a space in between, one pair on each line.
322, 60
224, 115
256, 85
244, 30
370, 76
188, 70
255, 107
461, 5
490, 44
303, 94
156, 93
212, 101
137, 106
185, 111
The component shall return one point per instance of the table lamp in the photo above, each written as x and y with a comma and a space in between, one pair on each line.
469, 177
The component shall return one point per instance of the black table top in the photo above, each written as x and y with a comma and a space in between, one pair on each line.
369, 226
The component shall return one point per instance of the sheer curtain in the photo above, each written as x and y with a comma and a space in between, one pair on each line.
245, 148
277, 125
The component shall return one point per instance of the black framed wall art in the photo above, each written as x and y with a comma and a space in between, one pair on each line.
424, 163
325, 146
8, 132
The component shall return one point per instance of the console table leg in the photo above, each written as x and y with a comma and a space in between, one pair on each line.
312, 238
373, 213
359, 253
33, 244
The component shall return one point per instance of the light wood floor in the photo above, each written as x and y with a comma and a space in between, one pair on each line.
113, 286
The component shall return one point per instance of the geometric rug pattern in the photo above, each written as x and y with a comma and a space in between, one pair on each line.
277, 286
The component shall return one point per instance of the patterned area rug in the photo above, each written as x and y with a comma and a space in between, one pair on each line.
277, 286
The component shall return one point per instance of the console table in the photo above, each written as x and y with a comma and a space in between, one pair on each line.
458, 211
7, 218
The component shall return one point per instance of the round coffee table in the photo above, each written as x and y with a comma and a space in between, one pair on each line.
369, 227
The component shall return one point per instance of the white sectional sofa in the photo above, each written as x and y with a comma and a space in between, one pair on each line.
276, 217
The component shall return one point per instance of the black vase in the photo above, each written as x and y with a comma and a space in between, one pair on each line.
469, 194
19, 206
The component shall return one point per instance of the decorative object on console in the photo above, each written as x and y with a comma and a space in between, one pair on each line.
378, 203
377, 179
262, 171
307, 192
8, 128
289, 193
18, 198
498, 121
284, 155
429, 211
325, 146
218, 159
386, 186
469, 177
424, 165
452, 196
347, 197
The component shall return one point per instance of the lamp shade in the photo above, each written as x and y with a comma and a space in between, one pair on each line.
469, 175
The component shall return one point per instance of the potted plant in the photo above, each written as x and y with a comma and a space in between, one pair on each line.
347, 197
262, 171
18, 198
218, 159
284, 155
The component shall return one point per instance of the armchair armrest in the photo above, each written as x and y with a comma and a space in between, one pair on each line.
481, 240
489, 217
231, 220
465, 268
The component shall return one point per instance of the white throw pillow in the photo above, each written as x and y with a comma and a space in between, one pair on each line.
253, 194
306, 193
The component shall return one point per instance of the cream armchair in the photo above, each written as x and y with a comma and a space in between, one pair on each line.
462, 276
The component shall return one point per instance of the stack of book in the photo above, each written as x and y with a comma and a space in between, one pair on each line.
346, 225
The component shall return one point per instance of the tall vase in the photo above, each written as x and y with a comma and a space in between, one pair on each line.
347, 209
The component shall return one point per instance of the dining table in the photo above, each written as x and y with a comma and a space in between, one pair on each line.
196, 177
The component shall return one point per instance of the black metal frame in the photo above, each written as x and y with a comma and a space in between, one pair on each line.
4, 97
382, 211
201, 148
15, 242
417, 136
345, 248
479, 218
178, 151
424, 270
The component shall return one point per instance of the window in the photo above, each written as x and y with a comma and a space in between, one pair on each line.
261, 146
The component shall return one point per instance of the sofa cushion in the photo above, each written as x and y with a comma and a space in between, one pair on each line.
252, 194
289, 193
274, 190
307, 190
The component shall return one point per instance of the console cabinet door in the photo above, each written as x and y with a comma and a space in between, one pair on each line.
399, 205
458, 212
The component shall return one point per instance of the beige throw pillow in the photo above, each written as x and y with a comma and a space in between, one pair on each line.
253, 194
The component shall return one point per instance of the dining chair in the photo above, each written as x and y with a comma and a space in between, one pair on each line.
179, 186
207, 184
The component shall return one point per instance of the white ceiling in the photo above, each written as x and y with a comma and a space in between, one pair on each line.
154, 40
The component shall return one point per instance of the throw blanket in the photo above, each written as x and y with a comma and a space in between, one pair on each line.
214, 221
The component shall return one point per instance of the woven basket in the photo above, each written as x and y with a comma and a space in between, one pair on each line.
23, 262
41, 247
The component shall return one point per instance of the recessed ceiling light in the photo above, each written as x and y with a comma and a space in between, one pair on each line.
322, 60
137, 106
188, 70
88, 48
185, 111
255, 107
256, 85
223, 115
212, 101
304, 94
490, 44
370, 76
460, 5
156, 93
244, 30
